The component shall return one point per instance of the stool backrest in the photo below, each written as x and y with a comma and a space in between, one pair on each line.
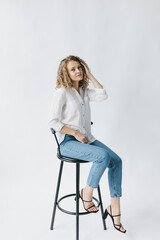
54, 132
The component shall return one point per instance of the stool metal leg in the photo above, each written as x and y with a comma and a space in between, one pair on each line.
77, 199
56, 196
101, 206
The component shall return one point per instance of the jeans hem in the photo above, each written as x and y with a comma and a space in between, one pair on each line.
92, 186
116, 196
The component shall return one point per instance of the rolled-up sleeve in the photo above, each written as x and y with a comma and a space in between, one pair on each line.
54, 118
97, 94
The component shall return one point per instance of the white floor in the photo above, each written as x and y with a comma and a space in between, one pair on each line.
26, 214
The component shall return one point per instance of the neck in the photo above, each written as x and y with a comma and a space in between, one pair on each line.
76, 85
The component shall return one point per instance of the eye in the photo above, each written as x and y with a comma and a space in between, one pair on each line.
79, 67
72, 69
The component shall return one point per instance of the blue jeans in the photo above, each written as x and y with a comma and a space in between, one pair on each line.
101, 156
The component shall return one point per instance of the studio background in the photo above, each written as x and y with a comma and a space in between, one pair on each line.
119, 40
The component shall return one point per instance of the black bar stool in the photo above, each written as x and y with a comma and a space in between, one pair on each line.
57, 201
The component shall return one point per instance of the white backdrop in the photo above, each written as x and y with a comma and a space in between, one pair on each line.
119, 40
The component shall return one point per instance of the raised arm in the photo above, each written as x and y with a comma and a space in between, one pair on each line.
99, 92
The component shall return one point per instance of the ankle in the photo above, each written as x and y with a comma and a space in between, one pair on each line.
87, 187
115, 207
87, 194
88, 190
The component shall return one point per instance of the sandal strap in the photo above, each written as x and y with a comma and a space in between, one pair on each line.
86, 201
116, 215
120, 227
110, 210
117, 224
90, 207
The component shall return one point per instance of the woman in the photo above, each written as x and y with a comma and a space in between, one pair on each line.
70, 117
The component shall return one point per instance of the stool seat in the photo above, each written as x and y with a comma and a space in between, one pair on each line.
69, 159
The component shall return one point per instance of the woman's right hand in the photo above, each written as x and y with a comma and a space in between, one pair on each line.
81, 137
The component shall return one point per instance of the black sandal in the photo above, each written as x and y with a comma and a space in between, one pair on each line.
81, 197
106, 213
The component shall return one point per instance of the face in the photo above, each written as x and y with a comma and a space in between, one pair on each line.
75, 71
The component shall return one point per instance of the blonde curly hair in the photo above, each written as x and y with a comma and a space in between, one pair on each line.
63, 78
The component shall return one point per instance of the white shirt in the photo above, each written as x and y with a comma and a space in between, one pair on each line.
71, 109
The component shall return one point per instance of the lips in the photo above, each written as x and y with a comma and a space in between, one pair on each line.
78, 75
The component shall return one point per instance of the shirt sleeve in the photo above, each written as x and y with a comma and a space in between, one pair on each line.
57, 104
97, 94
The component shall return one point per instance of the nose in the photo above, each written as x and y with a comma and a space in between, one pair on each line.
78, 71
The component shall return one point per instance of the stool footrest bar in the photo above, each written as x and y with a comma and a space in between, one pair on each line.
70, 212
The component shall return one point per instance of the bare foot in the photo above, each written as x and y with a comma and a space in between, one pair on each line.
116, 211
87, 196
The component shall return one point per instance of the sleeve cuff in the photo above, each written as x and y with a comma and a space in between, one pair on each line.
56, 126
59, 126
100, 90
